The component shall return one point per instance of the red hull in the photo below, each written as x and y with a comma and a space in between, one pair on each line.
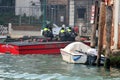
23, 48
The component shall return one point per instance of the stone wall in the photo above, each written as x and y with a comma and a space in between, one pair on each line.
20, 31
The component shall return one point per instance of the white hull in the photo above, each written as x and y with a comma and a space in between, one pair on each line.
77, 52
70, 54
73, 57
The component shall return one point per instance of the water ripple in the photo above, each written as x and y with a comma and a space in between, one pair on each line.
55, 76
50, 67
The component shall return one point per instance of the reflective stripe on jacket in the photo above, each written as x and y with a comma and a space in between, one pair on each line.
46, 29
62, 31
69, 30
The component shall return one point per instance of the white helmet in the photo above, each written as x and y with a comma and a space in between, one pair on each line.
63, 25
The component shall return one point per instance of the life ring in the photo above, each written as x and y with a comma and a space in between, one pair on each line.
84, 29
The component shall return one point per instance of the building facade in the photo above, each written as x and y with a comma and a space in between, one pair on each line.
70, 12
28, 8
57, 11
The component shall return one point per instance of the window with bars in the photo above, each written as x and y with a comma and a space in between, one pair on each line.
81, 12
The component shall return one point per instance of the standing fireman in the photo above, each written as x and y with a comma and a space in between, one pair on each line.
70, 34
47, 33
62, 34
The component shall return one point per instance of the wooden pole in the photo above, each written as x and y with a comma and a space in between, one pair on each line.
93, 36
109, 15
116, 22
100, 30
94, 26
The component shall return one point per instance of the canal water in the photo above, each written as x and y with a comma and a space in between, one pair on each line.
50, 67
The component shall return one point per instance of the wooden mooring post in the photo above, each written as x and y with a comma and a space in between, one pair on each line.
100, 30
94, 26
109, 14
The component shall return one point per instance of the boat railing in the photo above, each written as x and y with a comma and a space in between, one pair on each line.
80, 51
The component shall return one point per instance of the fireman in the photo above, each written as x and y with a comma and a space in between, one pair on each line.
47, 33
70, 34
62, 34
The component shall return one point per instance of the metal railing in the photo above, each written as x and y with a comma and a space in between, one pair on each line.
3, 30
55, 13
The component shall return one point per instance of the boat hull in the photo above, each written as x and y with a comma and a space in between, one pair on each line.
78, 52
73, 57
17, 48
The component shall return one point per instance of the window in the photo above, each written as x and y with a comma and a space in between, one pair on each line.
0, 1
81, 12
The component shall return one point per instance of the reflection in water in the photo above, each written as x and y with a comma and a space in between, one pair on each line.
50, 67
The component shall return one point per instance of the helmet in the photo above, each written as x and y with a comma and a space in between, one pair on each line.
63, 26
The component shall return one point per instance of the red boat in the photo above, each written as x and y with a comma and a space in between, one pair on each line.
22, 48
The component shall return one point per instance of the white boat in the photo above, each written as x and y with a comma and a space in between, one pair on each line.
78, 52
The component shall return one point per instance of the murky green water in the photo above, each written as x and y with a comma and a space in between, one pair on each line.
50, 67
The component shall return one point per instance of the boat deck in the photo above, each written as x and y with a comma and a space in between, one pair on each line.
34, 43
17, 48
